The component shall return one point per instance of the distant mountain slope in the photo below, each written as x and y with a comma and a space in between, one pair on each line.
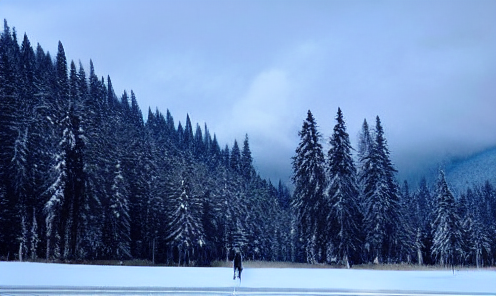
474, 169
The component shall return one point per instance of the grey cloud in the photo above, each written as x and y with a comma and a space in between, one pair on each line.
427, 68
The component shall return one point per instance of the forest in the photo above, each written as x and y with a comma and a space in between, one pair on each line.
350, 214
84, 177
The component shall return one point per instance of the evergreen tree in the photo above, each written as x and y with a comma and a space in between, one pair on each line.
447, 242
21, 185
118, 215
343, 218
58, 207
382, 219
188, 137
364, 146
422, 208
95, 164
476, 234
74, 147
9, 132
62, 83
185, 229
198, 144
246, 161
412, 238
235, 158
308, 198
225, 156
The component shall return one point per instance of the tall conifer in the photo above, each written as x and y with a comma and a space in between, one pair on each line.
447, 242
308, 199
343, 217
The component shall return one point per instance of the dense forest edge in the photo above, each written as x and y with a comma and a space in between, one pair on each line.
83, 178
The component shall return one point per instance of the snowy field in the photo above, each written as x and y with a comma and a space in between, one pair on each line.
44, 279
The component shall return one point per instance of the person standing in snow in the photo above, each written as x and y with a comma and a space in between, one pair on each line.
237, 263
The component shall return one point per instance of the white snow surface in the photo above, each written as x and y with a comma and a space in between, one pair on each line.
68, 275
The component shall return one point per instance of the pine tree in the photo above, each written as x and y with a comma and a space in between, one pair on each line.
199, 148
410, 218
447, 242
364, 144
58, 207
308, 198
188, 137
95, 164
74, 146
476, 233
62, 83
21, 185
119, 217
9, 132
343, 218
422, 205
185, 229
246, 161
53, 206
382, 219
235, 158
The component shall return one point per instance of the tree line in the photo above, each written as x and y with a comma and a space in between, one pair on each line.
84, 177
350, 208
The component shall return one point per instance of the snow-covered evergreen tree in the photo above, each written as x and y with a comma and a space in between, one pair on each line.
119, 216
421, 207
21, 185
476, 234
53, 206
185, 230
235, 157
246, 162
11, 125
308, 199
382, 219
343, 218
447, 243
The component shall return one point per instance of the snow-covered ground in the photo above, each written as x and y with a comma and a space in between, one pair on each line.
22, 274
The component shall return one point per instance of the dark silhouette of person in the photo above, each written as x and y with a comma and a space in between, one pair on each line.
237, 264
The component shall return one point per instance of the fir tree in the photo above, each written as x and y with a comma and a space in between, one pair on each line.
188, 137
343, 217
308, 198
382, 218
235, 158
476, 233
119, 217
422, 208
246, 162
185, 229
364, 146
447, 242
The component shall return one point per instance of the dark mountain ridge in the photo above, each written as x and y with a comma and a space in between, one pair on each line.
471, 170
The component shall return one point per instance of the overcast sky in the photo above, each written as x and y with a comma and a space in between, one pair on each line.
427, 68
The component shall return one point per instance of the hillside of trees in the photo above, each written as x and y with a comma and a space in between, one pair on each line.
84, 177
